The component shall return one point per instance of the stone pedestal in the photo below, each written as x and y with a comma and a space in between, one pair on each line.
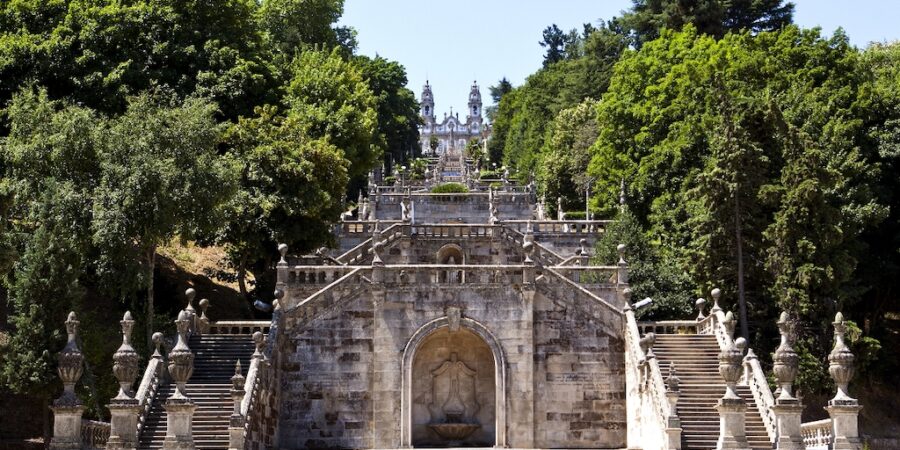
123, 425
236, 433
673, 433
732, 433
179, 420
844, 420
787, 420
66, 427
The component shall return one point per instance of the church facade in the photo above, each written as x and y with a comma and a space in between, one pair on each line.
451, 132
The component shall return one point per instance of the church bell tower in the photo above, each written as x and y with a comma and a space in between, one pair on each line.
427, 105
475, 103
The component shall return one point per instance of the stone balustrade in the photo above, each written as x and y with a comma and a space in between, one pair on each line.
818, 435
559, 226
669, 327
94, 434
451, 230
239, 326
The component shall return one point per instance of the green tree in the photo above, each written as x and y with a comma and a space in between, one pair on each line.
291, 25
650, 275
647, 18
566, 155
396, 105
497, 92
555, 41
161, 178
290, 190
332, 100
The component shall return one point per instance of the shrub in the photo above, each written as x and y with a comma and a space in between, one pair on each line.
450, 188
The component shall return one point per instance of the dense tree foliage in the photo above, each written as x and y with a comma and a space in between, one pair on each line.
127, 125
647, 18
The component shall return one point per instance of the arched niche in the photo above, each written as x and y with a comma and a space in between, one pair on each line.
451, 254
429, 358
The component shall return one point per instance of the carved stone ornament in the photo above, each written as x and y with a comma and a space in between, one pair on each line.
840, 362
716, 293
259, 341
453, 318
71, 364
181, 360
729, 323
731, 367
672, 381
647, 343
700, 303
787, 361
125, 361
454, 400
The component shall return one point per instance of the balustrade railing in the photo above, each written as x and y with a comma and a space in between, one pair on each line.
669, 327
559, 226
451, 230
646, 394
239, 326
94, 434
602, 275
818, 435
755, 378
147, 389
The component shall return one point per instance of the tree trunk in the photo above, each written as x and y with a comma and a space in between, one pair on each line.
742, 301
242, 280
151, 268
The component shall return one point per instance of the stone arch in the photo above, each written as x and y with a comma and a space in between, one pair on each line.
409, 357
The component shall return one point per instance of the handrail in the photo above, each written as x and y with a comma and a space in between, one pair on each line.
355, 254
649, 395
577, 287
251, 386
818, 435
555, 258
321, 292
759, 386
669, 327
147, 390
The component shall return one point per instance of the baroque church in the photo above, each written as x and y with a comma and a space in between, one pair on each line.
451, 132
454, 320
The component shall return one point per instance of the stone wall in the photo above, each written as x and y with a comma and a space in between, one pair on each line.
342, 375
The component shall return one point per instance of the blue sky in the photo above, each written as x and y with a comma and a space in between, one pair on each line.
455, 42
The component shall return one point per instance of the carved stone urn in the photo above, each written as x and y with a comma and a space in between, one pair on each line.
840, 362
787, 361
181, 360
71, 364
125, 361
731, 367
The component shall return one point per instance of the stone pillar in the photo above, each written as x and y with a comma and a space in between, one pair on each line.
622, 278
67, 408
180, 408
787, 408
386, 376
731, 407
236, 423
673, 422
843, 409
124, 408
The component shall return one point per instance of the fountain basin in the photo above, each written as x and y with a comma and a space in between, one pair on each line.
454, 431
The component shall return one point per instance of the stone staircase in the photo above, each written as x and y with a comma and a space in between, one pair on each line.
696, 361
209, 387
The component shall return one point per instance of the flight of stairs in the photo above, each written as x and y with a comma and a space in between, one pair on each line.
696, 362
209, 387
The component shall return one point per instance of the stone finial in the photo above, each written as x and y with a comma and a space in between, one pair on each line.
715, 294
157, 340
583, 247
622, 201
71, 364
620, 249
840, 362
731, 368
279, 295
237, 381
729, 323
282, 250
204, 320
700, 303
181, 359
259, 340
672, 381
787, 361
190, 293
125, 361
626, 294
528, 248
